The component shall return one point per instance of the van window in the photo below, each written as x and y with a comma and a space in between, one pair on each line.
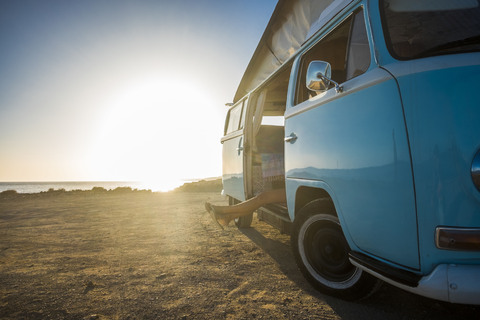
417, 29
273, 121
345, 48
234, 118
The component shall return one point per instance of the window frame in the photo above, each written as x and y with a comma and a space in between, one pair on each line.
331, 28
390, 46
241, 117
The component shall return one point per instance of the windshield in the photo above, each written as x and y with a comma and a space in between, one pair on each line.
416, 29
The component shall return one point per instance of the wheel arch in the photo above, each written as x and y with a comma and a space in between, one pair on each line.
305, 195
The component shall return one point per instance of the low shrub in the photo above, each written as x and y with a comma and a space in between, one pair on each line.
9, 193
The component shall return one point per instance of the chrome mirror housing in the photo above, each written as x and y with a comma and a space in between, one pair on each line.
319, 75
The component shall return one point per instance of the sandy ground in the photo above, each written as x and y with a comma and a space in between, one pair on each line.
158, 256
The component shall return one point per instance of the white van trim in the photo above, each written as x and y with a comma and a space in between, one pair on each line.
447, 282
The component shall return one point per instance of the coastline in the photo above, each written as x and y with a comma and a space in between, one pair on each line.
11, 188
42, 186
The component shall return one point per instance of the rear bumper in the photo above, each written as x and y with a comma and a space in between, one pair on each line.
447, 282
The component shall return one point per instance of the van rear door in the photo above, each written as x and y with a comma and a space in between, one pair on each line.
233, 153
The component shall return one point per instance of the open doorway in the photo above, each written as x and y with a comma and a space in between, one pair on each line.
267, 169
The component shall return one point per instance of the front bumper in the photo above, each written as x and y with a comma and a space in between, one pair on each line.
447, 282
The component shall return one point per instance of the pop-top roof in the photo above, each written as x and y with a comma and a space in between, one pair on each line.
292, 23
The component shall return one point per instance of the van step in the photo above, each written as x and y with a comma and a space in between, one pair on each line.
277, 216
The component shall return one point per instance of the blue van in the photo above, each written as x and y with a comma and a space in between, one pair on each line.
368, 114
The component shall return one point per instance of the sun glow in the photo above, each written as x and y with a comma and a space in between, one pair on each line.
144, 133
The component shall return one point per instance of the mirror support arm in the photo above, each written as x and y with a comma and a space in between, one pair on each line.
338, 87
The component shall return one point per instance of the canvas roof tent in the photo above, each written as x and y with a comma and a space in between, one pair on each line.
292, 23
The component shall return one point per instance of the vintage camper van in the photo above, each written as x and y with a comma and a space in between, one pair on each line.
368, 114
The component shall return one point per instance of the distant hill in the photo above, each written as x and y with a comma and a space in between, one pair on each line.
214, 185
55, 192
208, 185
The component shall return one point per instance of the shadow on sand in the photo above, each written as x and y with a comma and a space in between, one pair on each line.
387, 303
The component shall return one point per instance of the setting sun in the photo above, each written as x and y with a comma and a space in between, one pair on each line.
147, 129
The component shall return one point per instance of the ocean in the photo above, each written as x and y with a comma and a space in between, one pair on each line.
36, 187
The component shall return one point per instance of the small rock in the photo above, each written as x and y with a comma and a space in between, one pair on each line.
89, 286
162, 276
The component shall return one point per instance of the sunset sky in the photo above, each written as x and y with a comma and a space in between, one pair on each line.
120, 90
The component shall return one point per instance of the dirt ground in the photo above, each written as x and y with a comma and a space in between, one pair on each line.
159, 256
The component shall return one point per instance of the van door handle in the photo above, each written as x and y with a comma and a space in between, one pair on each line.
240, 147
291, 138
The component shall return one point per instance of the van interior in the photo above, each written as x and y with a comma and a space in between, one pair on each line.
268, 131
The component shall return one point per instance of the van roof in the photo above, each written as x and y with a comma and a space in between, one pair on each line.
292, 23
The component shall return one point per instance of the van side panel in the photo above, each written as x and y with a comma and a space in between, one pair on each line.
356, 143
442, 106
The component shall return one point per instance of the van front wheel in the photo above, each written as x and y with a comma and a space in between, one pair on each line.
321, 252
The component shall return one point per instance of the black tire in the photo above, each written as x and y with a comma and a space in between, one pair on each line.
321, 252
241, 222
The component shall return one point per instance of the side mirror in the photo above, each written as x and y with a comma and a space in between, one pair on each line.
319, 75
